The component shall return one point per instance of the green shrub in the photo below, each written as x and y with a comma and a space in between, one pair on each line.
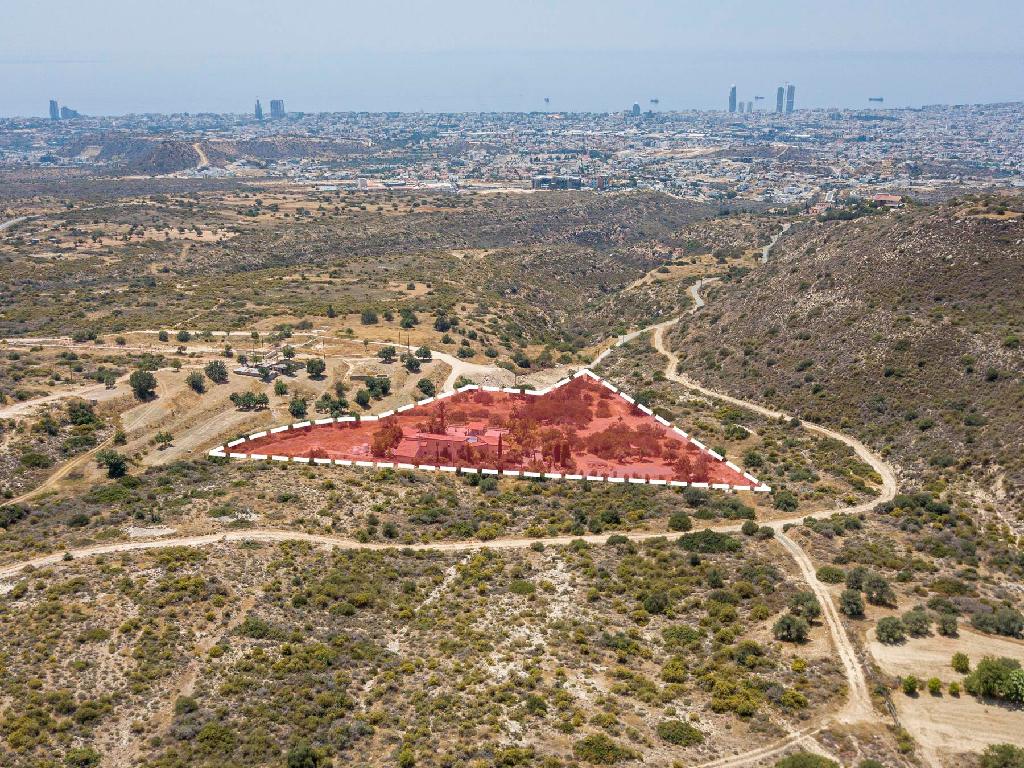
792, 629
851, 603
805, 604
143, 384
917, 623
521, 587
708, 542
679, 733
601, 750
1000, 678
679, 521
961, 662
830, 574
196, 382
910, 685
890, 631
1002, 756
806, 760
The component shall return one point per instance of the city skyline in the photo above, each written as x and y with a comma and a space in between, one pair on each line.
456, 56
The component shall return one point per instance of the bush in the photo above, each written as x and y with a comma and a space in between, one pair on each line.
297, 407
917, 623
806, 760
910, 685
749, 528
890, 631
879, 591
961, 663
934, 686
368, 317
830, 574
679, 733
143, 384
196, 382
856, 577
792, 629
1002, 621
216, 372
947, 625
997, 678
304, 756
115, 463
82, 757
249, 401
315, 367
426, 386
601, 750
35, 460
708, 542
785, 500
806, 605
851, 603
679, 521
1002, 756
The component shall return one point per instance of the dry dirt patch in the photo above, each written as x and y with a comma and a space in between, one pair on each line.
930, 656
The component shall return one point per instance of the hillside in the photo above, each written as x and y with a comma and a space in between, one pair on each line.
903, 327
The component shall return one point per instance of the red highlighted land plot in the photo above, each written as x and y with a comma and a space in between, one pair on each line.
580, 428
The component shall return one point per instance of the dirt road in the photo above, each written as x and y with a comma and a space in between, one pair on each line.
694, 289
888, 491
766, 251
97, 392
134, 417
858, 704
341, 542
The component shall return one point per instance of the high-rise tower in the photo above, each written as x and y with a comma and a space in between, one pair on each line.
790, 97
54, 110
732, 99
259, 110
780, 98
277, 107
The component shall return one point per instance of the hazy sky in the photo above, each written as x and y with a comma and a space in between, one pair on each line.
116, 56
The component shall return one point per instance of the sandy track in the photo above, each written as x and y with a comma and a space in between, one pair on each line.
134, 417
97, 392
888, 491
858, 705
694, 289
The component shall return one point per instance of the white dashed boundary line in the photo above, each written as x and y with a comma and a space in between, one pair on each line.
755, 485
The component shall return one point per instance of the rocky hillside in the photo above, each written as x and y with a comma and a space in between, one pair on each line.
903, 327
